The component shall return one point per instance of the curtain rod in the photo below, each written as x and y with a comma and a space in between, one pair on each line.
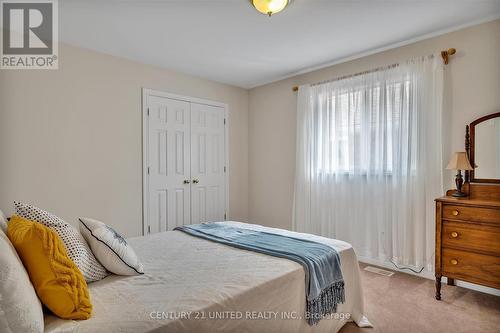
444, 54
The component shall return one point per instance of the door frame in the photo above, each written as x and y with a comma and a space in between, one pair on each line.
145, 146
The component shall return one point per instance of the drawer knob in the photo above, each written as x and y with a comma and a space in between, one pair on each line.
455, 212
454, 234
453, 261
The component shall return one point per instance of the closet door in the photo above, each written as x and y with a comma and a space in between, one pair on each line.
207, 163
169, 163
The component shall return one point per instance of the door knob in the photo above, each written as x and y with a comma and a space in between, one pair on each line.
196, 181
186, 181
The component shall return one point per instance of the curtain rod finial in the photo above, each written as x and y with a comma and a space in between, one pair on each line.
446, 54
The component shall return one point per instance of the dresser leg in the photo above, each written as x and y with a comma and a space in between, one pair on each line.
438, 287
451, 282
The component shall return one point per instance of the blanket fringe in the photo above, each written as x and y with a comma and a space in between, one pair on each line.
325, 303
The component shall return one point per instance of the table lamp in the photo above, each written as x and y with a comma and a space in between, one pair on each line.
459, 162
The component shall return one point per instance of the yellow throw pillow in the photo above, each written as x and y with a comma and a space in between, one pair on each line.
57, 280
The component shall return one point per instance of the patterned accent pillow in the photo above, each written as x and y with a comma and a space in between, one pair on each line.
110, 248
57, 281
75, 244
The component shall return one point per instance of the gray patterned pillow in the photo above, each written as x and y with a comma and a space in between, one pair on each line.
75, 244
110, 248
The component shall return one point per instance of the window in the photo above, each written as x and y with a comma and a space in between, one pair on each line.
361, 130
369, 161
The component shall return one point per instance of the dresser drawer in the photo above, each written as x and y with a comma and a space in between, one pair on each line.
478, 268
468, 236
465, 213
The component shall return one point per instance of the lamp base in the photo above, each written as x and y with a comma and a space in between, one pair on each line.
458, 194
459, 181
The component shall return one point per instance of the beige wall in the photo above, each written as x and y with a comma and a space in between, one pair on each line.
70, 139
472, 89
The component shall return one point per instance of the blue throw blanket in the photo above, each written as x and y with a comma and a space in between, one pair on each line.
324, 282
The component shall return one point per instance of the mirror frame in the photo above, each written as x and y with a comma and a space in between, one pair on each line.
469, 148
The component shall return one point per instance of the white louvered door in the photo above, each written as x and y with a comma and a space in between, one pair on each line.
184, 161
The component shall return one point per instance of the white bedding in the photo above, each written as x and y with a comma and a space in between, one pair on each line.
194, 285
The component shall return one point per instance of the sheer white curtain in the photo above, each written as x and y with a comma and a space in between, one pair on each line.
369, 162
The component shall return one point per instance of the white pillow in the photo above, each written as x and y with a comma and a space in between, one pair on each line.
110, 248
20, 308
77, 248
3, 221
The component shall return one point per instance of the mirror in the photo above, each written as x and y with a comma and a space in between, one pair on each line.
484, 149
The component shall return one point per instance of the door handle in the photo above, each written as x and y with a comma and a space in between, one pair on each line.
195, 181
186, 181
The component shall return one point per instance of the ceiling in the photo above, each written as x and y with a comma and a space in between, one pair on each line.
230, 42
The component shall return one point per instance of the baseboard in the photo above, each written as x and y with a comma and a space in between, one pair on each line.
430, 275
483, 289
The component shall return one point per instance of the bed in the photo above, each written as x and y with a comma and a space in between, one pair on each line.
195, 285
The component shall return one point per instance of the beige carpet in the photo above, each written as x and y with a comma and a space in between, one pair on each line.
405, 303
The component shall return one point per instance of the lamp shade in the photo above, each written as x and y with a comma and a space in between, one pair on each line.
459, 161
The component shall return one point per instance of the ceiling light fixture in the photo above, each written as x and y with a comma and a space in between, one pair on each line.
269, 7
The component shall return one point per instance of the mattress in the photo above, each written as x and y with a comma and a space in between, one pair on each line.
195, 285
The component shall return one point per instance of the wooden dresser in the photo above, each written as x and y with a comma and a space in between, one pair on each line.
468, 237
